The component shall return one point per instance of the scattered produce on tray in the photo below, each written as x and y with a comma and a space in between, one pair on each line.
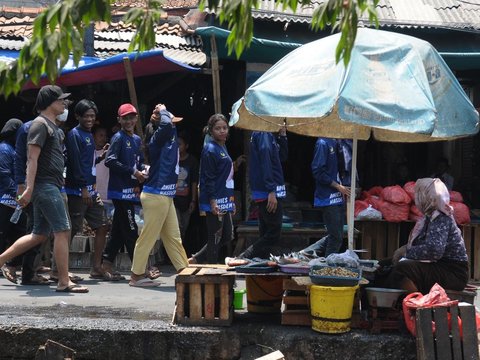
335, 271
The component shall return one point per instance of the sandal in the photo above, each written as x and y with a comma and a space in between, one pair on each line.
73, 278
10, 273
153, 273
113, 276
36, 280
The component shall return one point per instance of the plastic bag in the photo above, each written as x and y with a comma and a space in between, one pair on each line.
414, 214
395, 194
360, 206
375, 191
348, 258
437, 297
394, 212
461, 213
455, 196
409, 188
374, 201
369, 214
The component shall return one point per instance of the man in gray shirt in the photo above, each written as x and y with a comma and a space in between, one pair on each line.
44, 179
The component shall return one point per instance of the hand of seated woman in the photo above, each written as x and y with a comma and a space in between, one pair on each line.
398, 254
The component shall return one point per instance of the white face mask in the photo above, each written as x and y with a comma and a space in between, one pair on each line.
63, 116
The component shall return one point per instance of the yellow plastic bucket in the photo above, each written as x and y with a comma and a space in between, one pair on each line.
331, 308
264, 294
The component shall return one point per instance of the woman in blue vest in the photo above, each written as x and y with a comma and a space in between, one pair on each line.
216, 191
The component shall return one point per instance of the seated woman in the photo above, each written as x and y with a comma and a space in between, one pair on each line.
435, 252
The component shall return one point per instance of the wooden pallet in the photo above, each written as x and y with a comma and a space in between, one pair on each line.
296, 304
446, 342
204, 296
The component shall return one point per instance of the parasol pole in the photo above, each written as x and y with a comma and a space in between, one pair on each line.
351, 201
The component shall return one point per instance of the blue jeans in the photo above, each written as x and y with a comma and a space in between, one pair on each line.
49, 212
334, 219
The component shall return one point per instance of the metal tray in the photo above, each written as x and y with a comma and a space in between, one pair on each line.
294, 268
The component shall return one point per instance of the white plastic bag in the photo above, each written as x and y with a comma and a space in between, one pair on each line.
348, 258
369, 214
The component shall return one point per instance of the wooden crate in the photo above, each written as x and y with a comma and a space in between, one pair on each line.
204, 297
296, 305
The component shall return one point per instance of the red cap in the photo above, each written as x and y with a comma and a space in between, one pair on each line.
126, 109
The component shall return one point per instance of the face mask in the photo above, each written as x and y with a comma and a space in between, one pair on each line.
63, 116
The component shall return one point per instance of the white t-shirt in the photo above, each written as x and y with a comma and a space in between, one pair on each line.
103, 173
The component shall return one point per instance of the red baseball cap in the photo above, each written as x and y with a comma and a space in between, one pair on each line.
126, 109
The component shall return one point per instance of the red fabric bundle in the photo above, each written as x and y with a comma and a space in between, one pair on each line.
409, 188
359, 206
394, 212
455, 196
461, 213
395, 194
375, 191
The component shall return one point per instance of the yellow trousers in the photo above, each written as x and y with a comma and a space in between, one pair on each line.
159, 221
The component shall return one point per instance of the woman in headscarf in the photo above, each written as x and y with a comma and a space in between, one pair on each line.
435, 252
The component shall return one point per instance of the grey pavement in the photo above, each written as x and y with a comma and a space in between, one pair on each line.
116, 321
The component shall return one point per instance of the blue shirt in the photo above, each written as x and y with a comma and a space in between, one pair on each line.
216, 178
123, 158
80, 162
21, 153
7, 182
266, 173
163, 155
325, 170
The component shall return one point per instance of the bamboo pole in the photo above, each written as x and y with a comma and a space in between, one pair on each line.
215, 75
133, 94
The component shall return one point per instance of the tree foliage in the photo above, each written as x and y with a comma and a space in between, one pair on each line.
59, 31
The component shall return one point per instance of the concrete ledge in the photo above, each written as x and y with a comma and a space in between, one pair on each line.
100, 333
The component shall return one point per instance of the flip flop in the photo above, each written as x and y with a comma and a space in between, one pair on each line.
145, 282
75, 288
97, 276
9, 273
73, 278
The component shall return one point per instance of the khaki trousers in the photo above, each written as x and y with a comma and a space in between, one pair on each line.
160, 221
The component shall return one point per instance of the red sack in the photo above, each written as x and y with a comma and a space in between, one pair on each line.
375, 191
409, 188
455, 196
359, 206
394, 212
461, 213
414, 214
374, 201
437, 297
364, 195
395, 194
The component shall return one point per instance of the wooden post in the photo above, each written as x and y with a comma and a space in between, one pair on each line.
215, 75
133, 94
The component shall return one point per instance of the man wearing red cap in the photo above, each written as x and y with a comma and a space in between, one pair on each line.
126, 163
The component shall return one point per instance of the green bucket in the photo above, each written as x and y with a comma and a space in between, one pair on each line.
238, 299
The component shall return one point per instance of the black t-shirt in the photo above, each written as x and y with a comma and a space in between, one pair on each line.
51, 161
187, 174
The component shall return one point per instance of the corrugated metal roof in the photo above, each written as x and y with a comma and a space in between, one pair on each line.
109, 39
459, 14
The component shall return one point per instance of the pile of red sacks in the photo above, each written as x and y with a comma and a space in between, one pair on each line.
398, 204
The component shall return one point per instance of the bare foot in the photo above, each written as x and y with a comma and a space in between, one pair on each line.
192, 260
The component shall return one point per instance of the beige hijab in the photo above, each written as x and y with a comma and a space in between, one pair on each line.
431, 198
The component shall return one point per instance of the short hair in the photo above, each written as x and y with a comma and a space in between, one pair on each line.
84, 105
